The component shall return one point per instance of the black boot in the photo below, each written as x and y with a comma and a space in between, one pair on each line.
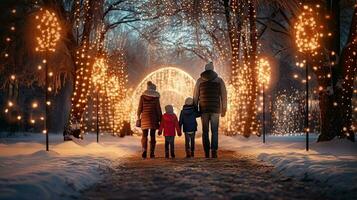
207, 154
166, 155
192, 154
214, 154
144, 155
188, 154
152, 149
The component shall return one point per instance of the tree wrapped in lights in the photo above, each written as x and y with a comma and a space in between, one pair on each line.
109, 92
47, 37
82, 85
244, 77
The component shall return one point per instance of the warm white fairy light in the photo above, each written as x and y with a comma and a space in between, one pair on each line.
173, 84
307, 30
264, 72
242, 116
49, 31
109, 90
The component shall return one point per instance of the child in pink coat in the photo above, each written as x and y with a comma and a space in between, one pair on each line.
170, 125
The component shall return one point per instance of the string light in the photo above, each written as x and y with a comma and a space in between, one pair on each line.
173, 84
48, 31
242, 113
307, 30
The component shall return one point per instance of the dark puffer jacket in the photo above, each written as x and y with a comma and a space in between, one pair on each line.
149, 110
210, 94
188, 117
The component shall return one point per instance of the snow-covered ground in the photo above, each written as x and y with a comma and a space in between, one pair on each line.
27, 171
333, 162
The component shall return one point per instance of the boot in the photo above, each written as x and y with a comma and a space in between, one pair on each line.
167, 155
207, 154
152, 149
188, 154
144, 155
214, 154
192, 154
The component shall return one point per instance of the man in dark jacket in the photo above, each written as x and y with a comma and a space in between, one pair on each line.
210, 96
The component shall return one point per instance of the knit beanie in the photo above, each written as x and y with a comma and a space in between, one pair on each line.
209, 66
189, 101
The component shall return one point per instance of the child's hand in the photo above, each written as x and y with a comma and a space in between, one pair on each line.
160, 133
179, 134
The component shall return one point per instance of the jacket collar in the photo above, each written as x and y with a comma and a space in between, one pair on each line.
209, 75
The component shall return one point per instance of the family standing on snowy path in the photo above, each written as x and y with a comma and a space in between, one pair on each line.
209, 102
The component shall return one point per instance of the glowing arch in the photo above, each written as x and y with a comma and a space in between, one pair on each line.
173, 84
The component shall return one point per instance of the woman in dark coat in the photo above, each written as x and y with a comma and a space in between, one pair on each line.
149, 112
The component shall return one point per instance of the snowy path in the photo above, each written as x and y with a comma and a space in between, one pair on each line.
232, 176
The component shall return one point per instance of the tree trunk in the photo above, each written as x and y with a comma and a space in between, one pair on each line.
348, 64
336, 108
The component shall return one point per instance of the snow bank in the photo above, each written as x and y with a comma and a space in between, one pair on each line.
333, 162
28, 171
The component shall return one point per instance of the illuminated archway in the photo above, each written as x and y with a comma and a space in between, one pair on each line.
173, 84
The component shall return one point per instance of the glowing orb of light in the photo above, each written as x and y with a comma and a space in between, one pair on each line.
264, 72
48, 31
307, 30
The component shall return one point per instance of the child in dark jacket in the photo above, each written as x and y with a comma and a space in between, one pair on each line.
169, 124
188, 117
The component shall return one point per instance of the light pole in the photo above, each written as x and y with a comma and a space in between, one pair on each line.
47, 37
307, 104
264, 73
307, 40
97, 113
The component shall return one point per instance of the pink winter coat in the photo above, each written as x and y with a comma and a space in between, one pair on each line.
169, 124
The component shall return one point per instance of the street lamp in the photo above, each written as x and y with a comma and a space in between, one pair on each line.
47, 37
307, 38
264, 73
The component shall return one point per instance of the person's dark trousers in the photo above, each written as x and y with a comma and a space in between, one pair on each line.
170, 146
190, 143
210, 119
144, 142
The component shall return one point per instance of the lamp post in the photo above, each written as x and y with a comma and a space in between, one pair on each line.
264, 73
307, 36
97, 115
47, 37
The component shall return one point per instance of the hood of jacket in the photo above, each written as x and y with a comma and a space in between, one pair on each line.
209, 75
151, 93
188, 109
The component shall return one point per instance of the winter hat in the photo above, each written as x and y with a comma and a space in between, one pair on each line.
209, 66
169, 109
189, 101
151, 86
